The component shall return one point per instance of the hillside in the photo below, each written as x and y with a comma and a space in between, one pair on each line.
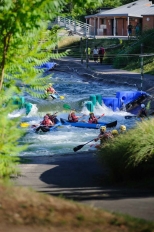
124, 54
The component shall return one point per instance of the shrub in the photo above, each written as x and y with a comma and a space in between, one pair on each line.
131, 155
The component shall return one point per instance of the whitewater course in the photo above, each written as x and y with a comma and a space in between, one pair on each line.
53, 166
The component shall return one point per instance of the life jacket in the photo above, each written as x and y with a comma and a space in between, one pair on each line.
52, 117
106, 136
46, 122
72, 118
93, 120
50, 90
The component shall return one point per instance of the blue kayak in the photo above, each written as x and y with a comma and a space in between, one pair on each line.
88, 125
53, 128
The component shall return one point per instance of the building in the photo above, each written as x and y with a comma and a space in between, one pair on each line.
114, 22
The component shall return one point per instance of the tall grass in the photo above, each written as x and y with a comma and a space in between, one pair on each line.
130, 156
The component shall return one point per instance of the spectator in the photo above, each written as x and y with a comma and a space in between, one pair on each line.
130, 27
101, 54
137, 30
95, 54
88, 52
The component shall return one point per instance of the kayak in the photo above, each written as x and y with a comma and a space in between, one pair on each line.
88, 125
52, 97
53, 128
48, 66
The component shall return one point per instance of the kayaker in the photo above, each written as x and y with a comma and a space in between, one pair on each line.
103, 136
92, 118
123, 106
122, 129
72, 117
52, 117
114, 133
142, 112
45, 124
50, 91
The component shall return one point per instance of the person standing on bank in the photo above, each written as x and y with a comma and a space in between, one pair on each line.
101, 54
88, 52
130, 27
137, 30
95, 54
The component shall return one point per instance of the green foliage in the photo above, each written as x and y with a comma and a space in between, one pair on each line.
79, 7
10, 134
24, 43
112, 3
20, 70
131, 155
129, 55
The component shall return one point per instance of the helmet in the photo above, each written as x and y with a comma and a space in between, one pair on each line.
91, 113
123, 128
103, 128
50, 84
114, 132
72, 112
142, 106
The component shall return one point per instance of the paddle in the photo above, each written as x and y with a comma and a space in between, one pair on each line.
61, 97
130, 116
80, 146
67, 107
24, 124
100, 116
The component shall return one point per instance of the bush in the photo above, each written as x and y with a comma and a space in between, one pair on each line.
130, 156
128, 56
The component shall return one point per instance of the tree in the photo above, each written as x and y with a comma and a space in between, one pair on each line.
75, 8
23, 44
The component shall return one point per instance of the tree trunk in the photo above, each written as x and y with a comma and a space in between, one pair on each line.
6, 43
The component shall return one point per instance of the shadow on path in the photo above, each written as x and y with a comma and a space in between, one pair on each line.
80, 177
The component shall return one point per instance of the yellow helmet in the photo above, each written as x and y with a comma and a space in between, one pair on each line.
114, 132
123, 128
50, 84
103, 128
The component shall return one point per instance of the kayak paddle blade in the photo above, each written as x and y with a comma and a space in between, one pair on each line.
78, 148
65, 106
24, 124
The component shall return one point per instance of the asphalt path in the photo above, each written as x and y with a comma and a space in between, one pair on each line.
80, 177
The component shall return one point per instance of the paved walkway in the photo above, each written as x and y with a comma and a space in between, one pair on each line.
80, 177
